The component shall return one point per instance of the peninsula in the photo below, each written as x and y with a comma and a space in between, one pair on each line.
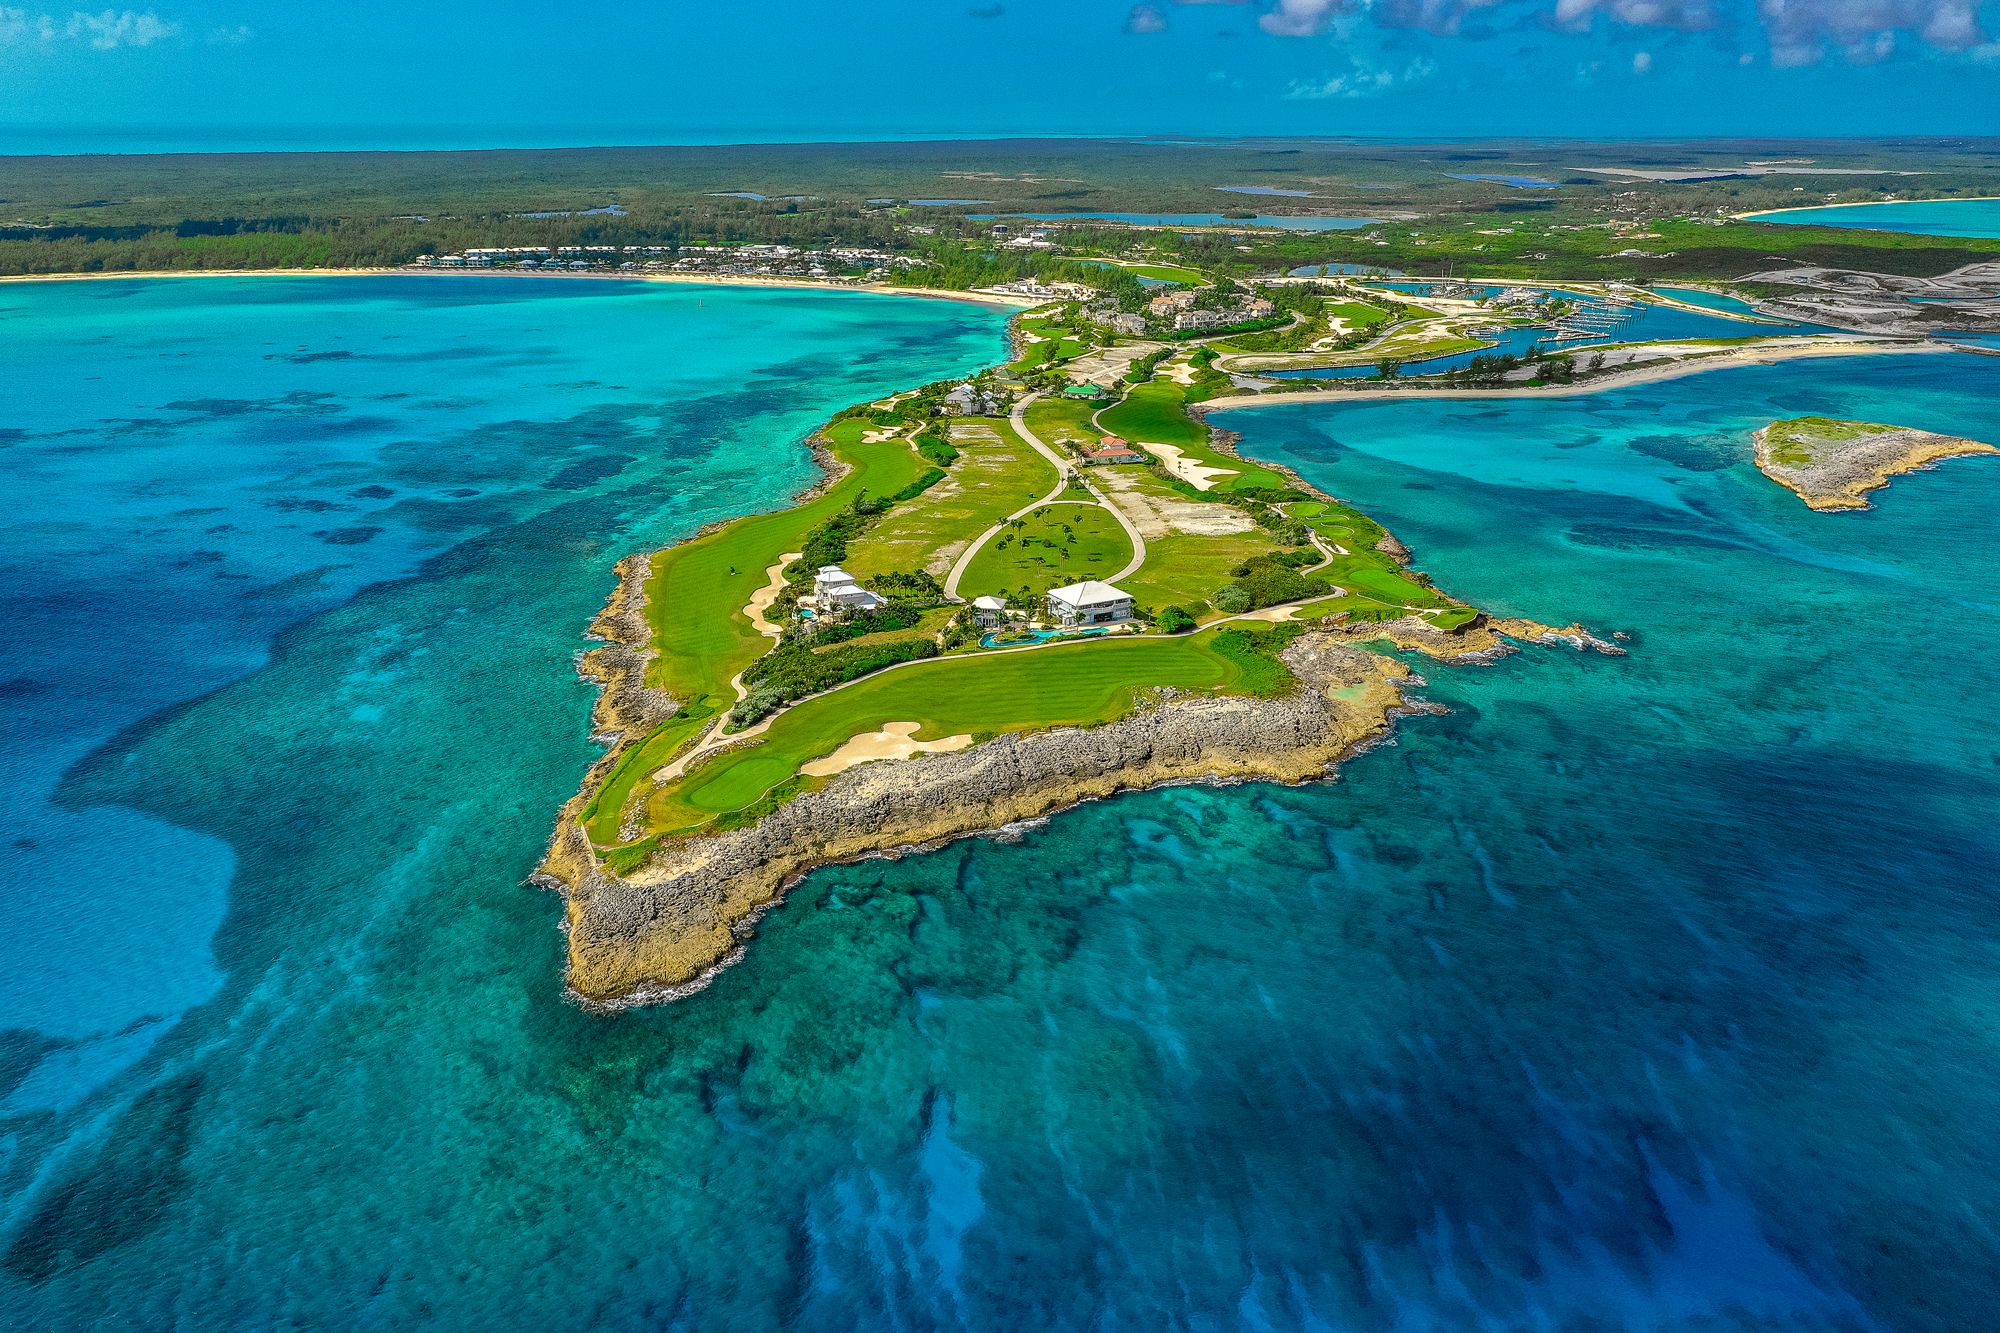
1044, 584
1833, 464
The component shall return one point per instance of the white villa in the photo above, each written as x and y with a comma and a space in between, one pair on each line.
989, 611
834, 589
1089, 603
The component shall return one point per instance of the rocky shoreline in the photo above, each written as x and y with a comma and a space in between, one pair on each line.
1833, 465
663, 931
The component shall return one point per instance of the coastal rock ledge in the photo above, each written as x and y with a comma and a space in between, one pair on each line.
663, 930
1833, 464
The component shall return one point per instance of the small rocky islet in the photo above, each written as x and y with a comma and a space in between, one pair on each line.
1833, 464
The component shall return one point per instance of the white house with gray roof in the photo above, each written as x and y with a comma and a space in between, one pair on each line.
1089, 603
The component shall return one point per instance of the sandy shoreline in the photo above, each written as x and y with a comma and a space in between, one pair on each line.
1870, 203
1649, 374
998, 299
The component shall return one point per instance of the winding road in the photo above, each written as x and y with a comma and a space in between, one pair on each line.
1063, 467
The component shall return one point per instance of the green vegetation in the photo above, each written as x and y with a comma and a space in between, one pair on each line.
996, 475
697, 592
1075, 684
1156, 413
1184, 568
1797, 443
1063, 423
298, 210
1056, 544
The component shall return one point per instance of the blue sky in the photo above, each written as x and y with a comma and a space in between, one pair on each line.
224, 74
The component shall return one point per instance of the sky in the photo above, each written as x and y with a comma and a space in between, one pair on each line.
227, 74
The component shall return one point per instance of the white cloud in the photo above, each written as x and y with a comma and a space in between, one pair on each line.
1686, 15
106, 30
1642, 62
1803, 32
113, 28
1300, 18
1145, 18
1361, 81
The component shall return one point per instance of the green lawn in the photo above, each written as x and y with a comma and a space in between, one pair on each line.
1057, 544
1182, 568
1355, 314
1059, 421
1067, 685
995, 475
1156, 413
697, 592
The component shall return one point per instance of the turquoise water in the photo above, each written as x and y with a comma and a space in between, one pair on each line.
1933, 217
1638, 323
196, 468
993, 639
1286, 221
1651, 992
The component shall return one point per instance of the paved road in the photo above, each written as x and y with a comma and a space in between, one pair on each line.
1138, 543
1063, 467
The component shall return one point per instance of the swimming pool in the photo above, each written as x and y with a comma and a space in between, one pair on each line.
1013, 638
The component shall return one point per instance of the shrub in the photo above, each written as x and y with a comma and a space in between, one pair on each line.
1232, 600
1174, 620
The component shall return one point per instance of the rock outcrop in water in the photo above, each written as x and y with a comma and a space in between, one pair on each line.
1833, 464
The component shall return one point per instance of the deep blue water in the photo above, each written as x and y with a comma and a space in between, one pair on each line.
1652, 992
1286, 222
1924, 217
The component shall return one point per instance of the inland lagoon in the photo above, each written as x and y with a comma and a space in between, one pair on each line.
1641, 992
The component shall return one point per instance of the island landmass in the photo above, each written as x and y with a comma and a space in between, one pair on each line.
1055, 579
1834, 464
1046, 583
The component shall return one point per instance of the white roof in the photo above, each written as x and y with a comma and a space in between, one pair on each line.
1089, 593
989, 604
832, 574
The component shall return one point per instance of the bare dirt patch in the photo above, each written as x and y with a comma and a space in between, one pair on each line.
1156, 514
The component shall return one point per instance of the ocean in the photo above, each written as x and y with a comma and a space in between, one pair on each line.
1647, 992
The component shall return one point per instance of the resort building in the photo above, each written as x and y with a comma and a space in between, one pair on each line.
834, 589
1110, 449
1089, 603
989, 611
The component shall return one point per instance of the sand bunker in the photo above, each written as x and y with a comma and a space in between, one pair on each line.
1198, 475
896, 740
1180, 372
760, 601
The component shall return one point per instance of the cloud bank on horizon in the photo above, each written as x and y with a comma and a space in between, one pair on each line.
1794, 32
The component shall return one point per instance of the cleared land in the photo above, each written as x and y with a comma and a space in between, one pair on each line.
698, 595
996, 474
